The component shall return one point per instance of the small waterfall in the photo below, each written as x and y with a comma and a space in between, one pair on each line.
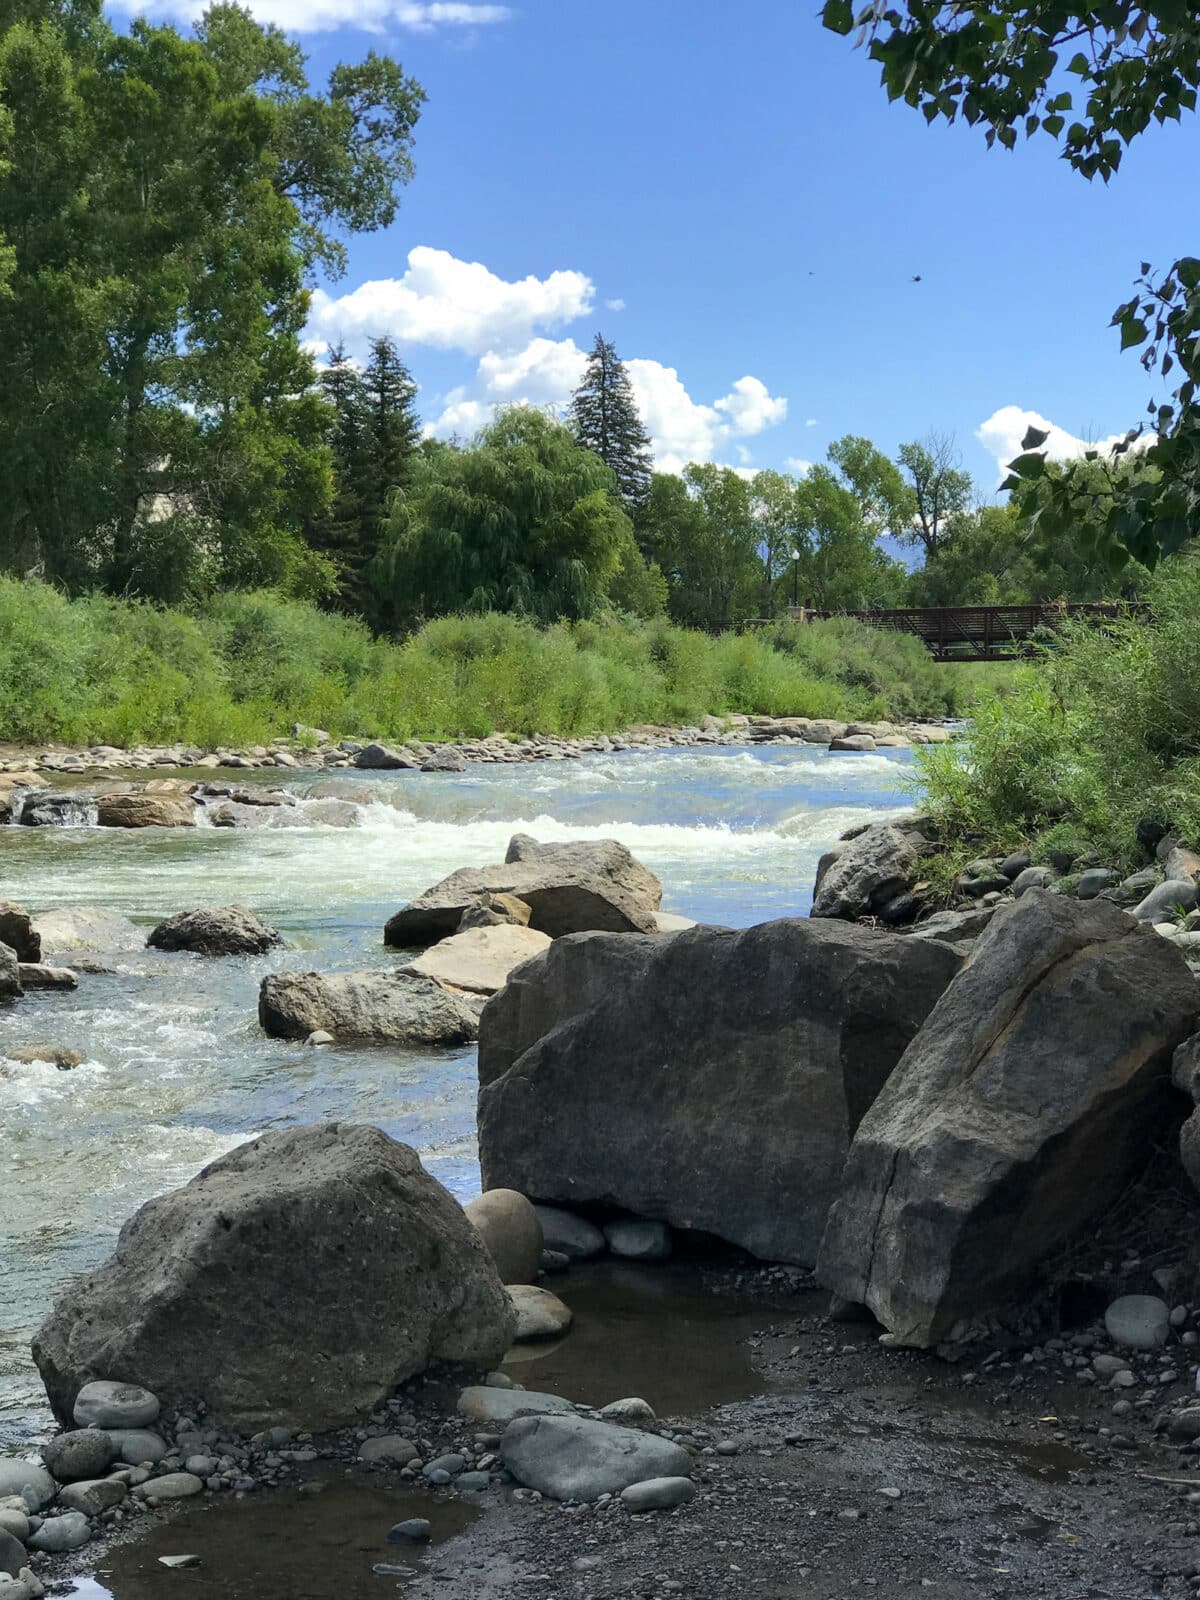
45, 810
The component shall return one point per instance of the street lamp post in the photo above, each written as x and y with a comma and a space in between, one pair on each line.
795, 579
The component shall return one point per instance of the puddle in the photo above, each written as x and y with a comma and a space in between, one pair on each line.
283, 1545
1052, 1462
651, 1331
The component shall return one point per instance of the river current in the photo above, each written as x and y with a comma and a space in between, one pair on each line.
177, 1070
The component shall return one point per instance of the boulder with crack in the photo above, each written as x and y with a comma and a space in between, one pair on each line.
709, 1079
399, 1007
1036, 1089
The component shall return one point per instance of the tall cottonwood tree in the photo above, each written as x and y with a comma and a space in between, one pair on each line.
164, 199
606, 420
941, 492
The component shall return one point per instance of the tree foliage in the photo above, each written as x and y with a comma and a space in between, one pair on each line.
163, 200
606, 420
1093, 80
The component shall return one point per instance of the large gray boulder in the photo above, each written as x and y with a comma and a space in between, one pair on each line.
295, 1281
861, 875
1034, 1092
573, 1458
86, 928
10, 974
399, 1007
216, 931
569, 888
709, 1079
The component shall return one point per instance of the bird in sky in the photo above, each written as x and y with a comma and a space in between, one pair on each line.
916, 277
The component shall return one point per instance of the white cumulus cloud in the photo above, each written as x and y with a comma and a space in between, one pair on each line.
1002, 432
750, 407
615, 305
317, 16
451, 305
798, 465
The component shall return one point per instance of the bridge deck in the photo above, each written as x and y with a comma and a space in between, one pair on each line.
976, 633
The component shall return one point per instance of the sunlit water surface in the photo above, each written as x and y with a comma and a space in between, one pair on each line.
177, 1070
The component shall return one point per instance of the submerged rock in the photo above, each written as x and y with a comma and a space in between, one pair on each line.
1033, 1094
36, 975
480, 959
399, 1007
566, 1234
540, 1314
711, 1080
639, 1239
573, 1458
204, 1298
509, 1227
216, 931
569, 888
86, 928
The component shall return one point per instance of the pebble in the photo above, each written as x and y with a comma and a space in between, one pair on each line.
474, 1482
172, 1486
658, 1494
726, 1447
137, 1446
449, 1466
388, 1447
416, 1530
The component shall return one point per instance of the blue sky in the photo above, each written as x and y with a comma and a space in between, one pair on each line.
725, 192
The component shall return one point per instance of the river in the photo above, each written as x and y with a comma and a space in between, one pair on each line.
177, 1070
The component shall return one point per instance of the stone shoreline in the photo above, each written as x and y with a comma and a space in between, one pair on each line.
311, 749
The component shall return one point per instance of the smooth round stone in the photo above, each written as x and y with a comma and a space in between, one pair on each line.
415, 1530
555, 1261
569, 1235
200, 1466
631, 1410
1138, 1321
451, 1465
658, 1494
389, 1447
115, 1405
540, 1314
638, 1239
85, 1453
136, 1446
171, 1486
25, 1478
14, 1523
57, 1535
474, 1482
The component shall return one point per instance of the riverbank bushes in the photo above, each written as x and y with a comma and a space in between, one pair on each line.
1101, 735
246, 666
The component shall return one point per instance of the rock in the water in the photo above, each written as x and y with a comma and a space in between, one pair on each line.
171, 1486
203, 1298
383, 758
866, 872
568, 1235
137, 1446
10, 974
639, 1239
711, 1080
81, 1454
27, 1480
219, 931
18, 932
142, 810
399, 1007
445, 760
53, 1055
389, 1448
59, 1535
498, 1407
540, 1314
509, 1227
573, 1458
480, 959
658, 1494
86, 928
100, 1403
37, 975
1034, 1092
569, 888
92, 1496
414, 1530
1138, 1322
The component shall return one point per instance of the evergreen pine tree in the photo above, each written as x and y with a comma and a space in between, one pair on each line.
337, 531
605, 418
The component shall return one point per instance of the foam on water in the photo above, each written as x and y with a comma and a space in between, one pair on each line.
177, 1070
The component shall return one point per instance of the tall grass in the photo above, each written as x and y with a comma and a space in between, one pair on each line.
247, 666
1102, 734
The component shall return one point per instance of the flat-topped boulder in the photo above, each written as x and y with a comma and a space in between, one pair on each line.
216, 931
711, 1079
398, 1007
86, 928
480, 959
577, 887
295, 1281
1035, 1091
143, 809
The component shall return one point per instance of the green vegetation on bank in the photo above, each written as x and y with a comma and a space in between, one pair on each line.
246, 666
1099, 737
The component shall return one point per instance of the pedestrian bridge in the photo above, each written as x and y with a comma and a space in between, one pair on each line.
977, 633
